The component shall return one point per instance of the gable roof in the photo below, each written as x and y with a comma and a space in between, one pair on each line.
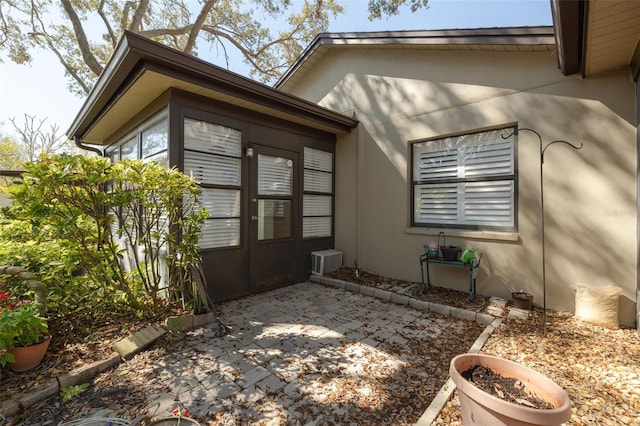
140, 70
511, 39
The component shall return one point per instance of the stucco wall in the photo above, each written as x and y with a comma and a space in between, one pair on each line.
590, 195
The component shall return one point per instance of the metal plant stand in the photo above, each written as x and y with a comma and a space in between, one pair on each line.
543, 148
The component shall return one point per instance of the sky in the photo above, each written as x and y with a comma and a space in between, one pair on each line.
40, 89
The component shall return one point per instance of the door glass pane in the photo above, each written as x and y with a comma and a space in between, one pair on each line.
274, 219
275, 175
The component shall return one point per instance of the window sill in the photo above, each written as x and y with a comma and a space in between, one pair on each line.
465, 233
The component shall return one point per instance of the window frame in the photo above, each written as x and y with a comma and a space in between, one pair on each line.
507, 129
219, 186
330, 195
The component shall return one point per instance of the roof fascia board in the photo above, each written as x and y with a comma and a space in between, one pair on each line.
121, 58
569, 17
539, 35
134, 49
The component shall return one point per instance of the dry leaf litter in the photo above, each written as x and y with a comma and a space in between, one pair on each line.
599, 368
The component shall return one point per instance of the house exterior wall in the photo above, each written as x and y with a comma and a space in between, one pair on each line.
590, 196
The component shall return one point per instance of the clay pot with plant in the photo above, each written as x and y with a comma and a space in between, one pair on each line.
24, 336
507, 394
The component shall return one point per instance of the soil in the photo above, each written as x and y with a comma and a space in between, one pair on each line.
506, 388
79, 338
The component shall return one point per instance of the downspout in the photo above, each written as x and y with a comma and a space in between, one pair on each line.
359, 195
80, 145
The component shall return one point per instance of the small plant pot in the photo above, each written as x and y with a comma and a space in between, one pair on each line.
522, 300
450, 253
29, 357
481, 408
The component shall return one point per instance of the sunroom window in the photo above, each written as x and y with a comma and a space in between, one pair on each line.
466, 181
212, 153
318, 193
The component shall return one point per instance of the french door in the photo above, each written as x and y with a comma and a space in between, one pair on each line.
273, 217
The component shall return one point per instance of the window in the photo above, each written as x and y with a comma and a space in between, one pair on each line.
466, 181
275, 193
212, 154
318, 194
148, 142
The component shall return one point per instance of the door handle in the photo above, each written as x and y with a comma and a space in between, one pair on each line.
254, 217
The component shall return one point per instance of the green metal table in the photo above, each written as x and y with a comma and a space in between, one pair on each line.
473, 267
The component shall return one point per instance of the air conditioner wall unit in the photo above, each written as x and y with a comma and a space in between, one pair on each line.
325, 261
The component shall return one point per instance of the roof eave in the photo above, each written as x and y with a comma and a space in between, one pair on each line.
507, 35
569, 21
134, 51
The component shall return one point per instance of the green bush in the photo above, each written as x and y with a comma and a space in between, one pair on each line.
84, 213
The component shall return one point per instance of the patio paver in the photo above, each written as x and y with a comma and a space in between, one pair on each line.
290, 350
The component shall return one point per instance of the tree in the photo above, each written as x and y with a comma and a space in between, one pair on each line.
83, 33
9, 159
36, 139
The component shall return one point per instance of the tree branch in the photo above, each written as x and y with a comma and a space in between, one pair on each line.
136, 22
197, 25
81, 37
107, 24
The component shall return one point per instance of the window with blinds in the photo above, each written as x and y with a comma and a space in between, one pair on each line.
317, 209
466, 181
212, 153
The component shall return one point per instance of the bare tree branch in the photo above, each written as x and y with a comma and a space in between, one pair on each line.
107, 24
81, 36
197, 25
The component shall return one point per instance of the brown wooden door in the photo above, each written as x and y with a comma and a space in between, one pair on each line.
274, 215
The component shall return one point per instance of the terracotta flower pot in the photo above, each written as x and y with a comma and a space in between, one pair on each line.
29, 357
481, 408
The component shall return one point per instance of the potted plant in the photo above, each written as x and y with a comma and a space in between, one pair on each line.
522, 299
24, 336
482, 408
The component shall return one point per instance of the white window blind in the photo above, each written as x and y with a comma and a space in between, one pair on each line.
213, 156
317, 218
467, 180
212, 138
275, 175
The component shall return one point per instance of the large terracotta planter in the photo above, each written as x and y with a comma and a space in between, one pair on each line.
481, 408
29, 357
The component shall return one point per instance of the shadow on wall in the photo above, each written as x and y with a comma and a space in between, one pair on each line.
590, 210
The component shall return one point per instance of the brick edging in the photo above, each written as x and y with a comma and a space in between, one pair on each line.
122, 349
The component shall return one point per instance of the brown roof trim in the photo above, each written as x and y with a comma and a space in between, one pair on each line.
635, 64
569, 20
542, 35
134, 51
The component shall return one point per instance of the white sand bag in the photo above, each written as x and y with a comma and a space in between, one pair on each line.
598, 305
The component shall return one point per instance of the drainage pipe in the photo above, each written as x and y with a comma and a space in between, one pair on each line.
80, 145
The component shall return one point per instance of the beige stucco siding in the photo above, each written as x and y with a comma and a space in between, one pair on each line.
590, 195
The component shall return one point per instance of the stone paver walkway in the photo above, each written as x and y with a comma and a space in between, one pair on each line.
292, 350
